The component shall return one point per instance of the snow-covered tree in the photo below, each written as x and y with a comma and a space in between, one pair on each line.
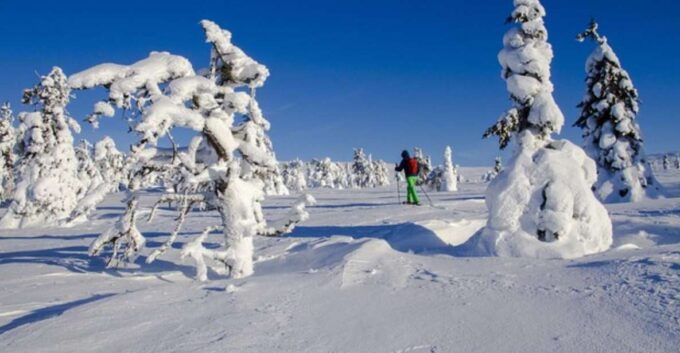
443, 177
325, 173
541, 204
362, 170
666, 162
424, 165
676, 162
450, 174
94, 188
88, 173
228, 126
8, 157
382, 173
293, 174
612, 136
47, 172
111, 163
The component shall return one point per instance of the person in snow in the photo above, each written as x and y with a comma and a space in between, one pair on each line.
410, 167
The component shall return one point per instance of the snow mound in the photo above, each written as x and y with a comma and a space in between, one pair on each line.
453, 233
542, 206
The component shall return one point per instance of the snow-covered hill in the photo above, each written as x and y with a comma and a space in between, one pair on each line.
364, 274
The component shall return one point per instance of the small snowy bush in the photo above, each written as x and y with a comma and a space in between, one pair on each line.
493, 173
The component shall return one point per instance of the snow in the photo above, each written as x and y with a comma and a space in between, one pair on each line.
362, 274
243, 70
124, 80
532, 199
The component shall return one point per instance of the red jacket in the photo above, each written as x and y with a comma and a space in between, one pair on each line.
409, 166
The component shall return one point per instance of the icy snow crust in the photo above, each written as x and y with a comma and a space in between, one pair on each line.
363, 274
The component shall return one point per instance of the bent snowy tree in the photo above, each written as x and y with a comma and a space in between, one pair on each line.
227, 162
541, 203
611, 135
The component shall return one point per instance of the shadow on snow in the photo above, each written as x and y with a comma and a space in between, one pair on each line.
50, 312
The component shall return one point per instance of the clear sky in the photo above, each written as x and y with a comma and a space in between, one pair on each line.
383, 75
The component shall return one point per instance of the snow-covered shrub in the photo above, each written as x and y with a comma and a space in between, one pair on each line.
88, 173
493, 173
111, 163
229, 132
93, 189
8, 147
541, 204
612, 136
47, 185
424, 165
123, 235
366, 173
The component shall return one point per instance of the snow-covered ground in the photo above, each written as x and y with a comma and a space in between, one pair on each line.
363, 274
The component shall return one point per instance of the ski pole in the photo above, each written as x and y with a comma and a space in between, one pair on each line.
428, 196
396, 176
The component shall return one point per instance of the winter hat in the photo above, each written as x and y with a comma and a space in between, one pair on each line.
404, 154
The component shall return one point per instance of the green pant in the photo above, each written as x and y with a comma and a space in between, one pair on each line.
411, 195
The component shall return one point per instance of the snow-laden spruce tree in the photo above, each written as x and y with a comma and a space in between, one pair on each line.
8, 147
47, 183
666, 162
541, 204
450, 176
88, 173
612, 136
94, 188
293, 173
228, 126
328, 174
362, 170
383, 174
111, 163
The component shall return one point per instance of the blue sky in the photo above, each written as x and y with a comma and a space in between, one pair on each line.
383, 75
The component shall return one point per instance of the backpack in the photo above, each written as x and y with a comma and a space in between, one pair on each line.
412, 167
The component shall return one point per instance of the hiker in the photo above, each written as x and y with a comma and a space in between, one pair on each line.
410, 167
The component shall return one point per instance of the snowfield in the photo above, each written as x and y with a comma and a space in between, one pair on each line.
363, 274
